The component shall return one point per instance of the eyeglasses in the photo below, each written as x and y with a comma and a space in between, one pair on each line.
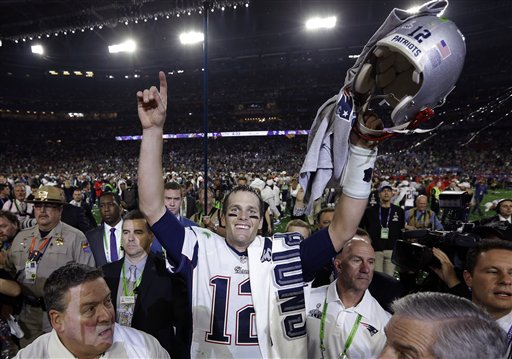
46, 205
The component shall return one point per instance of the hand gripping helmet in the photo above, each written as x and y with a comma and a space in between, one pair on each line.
412, 68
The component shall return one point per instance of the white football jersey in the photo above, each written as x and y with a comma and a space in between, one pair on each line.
223, 314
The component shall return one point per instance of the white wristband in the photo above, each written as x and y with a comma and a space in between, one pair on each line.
357, 176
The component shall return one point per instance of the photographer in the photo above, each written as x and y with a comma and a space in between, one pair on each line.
420, 217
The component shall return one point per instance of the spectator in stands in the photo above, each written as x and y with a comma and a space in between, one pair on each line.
4, 194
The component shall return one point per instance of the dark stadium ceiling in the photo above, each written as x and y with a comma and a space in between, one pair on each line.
76, 33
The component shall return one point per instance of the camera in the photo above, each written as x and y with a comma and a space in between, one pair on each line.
455, 208
414, 252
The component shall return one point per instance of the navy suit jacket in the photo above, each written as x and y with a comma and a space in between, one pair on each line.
95, 239
162, 304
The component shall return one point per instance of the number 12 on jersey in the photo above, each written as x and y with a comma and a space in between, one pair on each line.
241, 321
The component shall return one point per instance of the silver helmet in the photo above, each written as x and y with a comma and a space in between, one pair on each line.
412, 68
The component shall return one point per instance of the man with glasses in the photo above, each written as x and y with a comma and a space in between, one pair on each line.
38, 251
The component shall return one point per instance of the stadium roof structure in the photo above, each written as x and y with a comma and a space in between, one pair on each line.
78, 32
246, 38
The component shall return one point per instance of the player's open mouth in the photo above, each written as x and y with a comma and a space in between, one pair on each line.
242, 226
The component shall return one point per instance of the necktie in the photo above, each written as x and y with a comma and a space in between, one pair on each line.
113, 245
132, 277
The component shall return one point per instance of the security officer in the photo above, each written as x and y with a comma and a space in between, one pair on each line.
38, 251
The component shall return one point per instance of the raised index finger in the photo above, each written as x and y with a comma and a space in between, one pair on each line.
163, 87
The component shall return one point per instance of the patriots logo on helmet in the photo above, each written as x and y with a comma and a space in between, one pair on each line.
344, 110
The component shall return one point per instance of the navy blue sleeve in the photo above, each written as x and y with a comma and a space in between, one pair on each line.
171, 235
315, 252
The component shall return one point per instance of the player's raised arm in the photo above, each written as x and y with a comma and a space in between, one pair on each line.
152, 109
357, 181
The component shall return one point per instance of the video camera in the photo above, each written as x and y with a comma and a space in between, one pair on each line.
455, 208
418, 255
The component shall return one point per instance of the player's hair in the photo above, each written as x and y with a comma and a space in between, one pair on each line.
463, 330
243, 188
483, 246
66, 277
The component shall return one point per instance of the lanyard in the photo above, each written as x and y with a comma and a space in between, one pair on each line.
42, 247
380, 217
125, 284
350, 338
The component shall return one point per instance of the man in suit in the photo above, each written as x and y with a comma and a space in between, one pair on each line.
173, 199
80, 202
105, 240
145, 295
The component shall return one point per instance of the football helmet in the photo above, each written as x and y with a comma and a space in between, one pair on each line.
410, 70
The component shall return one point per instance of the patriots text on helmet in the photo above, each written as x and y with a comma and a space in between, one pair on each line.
402, 40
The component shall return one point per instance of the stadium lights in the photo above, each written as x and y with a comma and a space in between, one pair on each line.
53, 73
221, 5
191, 37
89, 74
65, 73
316, 23
127, 46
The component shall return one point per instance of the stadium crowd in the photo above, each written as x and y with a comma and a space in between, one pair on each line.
175, 278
